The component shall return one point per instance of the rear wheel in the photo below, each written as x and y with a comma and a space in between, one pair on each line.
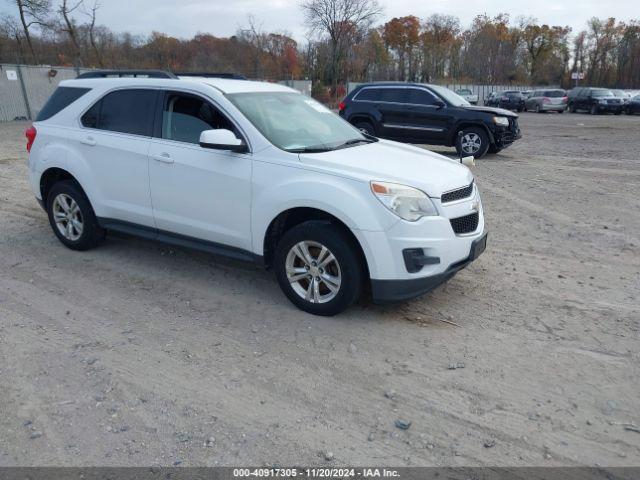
365, 127
473, 141
319, 268
71, 216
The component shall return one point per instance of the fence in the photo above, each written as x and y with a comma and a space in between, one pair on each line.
482, 91
24, 89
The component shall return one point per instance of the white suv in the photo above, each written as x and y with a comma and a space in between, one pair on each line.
258, 172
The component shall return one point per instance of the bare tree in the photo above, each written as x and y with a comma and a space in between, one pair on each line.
31, 13
339, 19
71, 28
92, 37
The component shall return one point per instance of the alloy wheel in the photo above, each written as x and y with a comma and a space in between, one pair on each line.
313, 272
471, 143
68, 217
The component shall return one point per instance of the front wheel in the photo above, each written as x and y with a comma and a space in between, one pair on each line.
473, 141
319, 268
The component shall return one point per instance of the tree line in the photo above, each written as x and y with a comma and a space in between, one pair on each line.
347, 42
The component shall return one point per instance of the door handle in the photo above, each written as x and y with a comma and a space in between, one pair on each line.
88, 141
163, 157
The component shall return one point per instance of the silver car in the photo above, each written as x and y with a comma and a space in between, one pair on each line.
551, 100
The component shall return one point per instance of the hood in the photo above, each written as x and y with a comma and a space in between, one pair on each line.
496, 111
394, 162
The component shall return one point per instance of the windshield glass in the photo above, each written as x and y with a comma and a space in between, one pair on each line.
450, 96
295, 122
602, 93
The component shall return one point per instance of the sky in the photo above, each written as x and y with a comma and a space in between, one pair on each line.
222, 18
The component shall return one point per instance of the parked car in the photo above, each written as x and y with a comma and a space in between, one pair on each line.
552, 100
509, 100
258, 172
623, 94
595, 101
633, 106
429, 114
526, 93
468, 95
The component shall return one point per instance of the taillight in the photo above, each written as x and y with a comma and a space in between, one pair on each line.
341, 106
30, 133
545, 100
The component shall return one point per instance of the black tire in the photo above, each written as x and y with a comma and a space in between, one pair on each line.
484, 142
560, 111
366, 127
91, 234
347, 256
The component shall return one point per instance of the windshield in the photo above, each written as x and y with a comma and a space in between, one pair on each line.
296, 123
602, 93
450, 96
619, 93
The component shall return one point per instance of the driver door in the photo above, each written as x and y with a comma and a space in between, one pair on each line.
198, 192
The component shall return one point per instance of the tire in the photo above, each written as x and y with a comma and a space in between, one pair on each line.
475, 135
366, 127
346, 270
560, 111
72, 218
593, 110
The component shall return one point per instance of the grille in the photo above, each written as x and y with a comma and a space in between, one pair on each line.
466, 224
457, 194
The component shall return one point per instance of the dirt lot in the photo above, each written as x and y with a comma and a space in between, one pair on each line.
136, 353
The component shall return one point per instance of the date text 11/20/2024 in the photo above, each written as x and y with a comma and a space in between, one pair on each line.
317, 472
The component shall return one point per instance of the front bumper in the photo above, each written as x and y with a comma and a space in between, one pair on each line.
613, 108
390, 291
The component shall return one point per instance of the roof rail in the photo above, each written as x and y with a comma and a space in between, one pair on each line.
233, 76
127, 73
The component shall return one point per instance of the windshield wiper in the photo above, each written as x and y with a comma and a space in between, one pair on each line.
355, 141
309, 149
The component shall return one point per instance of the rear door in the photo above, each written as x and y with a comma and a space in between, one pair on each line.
198, 192
114, 140
394, 111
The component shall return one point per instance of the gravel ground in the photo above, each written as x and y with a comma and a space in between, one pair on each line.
140, 354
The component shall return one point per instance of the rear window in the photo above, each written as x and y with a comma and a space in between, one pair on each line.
124, 111
61, 99
555, 93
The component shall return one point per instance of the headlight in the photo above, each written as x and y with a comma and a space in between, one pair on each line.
407, 202
504, 121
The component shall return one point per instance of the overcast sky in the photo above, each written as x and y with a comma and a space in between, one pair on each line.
222, 18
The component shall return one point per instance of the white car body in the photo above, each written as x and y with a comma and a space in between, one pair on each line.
228, 200
468, 95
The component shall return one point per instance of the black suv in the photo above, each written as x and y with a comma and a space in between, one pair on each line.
431, 114
595, 100
510, 100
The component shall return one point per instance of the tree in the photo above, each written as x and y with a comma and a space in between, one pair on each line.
339, 19
401, 35
32, 12
70, 27
92, 37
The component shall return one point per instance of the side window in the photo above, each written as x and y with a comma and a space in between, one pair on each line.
185, 117
368, 94
124, 111
61, 99
394, 95
420, 97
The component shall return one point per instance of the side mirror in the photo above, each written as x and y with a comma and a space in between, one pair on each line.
439, 104
222, 139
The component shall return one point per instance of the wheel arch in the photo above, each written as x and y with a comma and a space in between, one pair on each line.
292, 217
53, 175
